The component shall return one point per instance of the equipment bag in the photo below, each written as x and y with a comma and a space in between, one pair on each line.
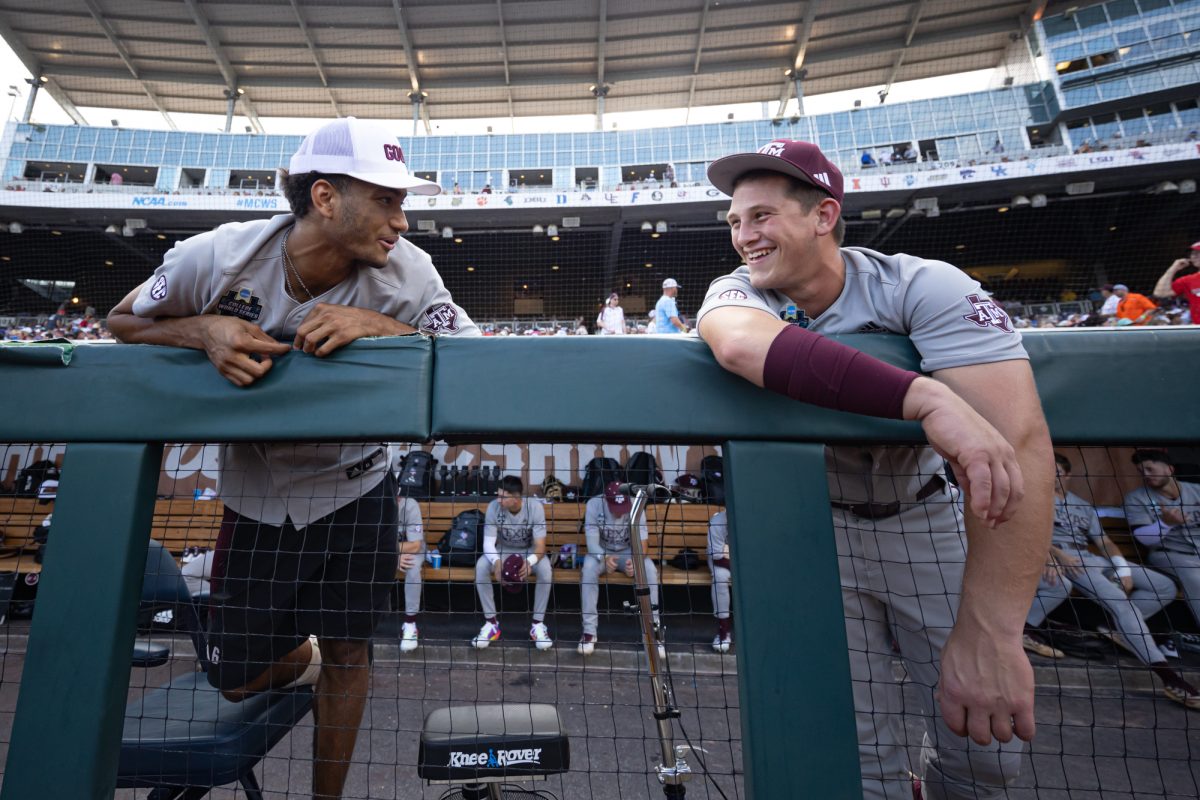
598, 473
416, 476
463, 543
642, 470
712, 479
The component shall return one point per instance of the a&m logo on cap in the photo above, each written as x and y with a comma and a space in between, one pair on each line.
772, 149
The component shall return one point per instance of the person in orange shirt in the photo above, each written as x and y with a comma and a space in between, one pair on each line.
1134, 307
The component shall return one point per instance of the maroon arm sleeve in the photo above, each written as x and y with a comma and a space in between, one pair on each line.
807, 366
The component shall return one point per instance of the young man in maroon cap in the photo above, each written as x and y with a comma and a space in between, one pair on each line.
957, 613
608, 530
1171, 284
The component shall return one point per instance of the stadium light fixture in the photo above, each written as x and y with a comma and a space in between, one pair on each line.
112, 229
872, 213
75, 300
1020, 200
1002, 209
647, 226
1167, 186
128, 232
1081, 187
554, 267
1187, 186
648, 265
552, 231
447, 232
1038, 201
470, 269
660, 226
16, 227
538, 230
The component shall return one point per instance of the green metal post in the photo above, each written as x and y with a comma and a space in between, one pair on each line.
76, 675
793, 665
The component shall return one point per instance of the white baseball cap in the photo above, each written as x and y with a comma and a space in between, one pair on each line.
670, 283
362, 149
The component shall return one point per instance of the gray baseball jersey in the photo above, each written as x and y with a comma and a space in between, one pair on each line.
1076, 523
411, 526
605, 531
237, 270
1144, 507
515, 532
948, 316
718, 536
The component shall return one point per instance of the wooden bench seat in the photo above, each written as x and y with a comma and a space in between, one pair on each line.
182, 522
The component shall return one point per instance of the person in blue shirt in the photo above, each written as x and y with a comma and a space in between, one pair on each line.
666, 313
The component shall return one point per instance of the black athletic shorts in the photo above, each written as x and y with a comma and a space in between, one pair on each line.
273, 586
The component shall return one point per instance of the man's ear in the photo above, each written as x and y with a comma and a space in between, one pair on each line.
829, 211
324, 196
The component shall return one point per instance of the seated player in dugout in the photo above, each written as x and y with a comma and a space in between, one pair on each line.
956, 606
336, 269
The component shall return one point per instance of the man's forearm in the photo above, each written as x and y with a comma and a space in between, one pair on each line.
170, 331
1163, 287
1005, 563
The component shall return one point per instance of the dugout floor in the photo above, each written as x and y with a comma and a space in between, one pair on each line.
1104, 732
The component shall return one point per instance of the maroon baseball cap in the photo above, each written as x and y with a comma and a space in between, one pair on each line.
802, 160
1196, 245
510, 573
618, 503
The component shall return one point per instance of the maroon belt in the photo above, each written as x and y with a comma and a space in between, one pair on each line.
885, 510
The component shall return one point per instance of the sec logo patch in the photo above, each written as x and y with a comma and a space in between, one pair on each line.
159, 290
732, 294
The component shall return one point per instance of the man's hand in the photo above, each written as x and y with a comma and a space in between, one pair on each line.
239, 350
1051, 573
1179, 264
610, 564
497, 568
629, 567
986, 687
525, 570
983, 460
328, 327
1126, 584
406, 561
1172, 515
1071, 565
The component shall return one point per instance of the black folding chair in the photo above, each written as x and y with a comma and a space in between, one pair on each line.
184, 738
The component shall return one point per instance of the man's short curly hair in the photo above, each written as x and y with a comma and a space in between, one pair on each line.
298, 188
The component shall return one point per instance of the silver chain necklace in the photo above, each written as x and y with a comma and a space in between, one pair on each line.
289, 269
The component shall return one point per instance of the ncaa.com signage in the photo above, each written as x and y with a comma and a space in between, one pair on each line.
877, 180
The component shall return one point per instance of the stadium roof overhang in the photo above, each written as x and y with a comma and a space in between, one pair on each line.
492, 58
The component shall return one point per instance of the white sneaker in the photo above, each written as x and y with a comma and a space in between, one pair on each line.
489, 633
722, 643
408, 637
541, 636
587, 644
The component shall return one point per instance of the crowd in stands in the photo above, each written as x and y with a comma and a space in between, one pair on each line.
83, 327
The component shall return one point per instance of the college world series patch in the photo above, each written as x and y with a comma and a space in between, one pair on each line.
241, 303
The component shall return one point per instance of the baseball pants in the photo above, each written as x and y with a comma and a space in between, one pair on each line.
902, 577
1186, 569
1151, 591
542, 572
721, 579
1048, 598
589, 587
412, 587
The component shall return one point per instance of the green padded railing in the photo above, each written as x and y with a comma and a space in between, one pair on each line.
116, 405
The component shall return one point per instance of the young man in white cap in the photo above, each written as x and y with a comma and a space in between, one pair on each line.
308, 542
957, 613
1172, 284
666, 312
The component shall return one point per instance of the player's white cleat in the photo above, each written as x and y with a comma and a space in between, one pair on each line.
408, 637
489, 633
587, 644
722, 642
541, 636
